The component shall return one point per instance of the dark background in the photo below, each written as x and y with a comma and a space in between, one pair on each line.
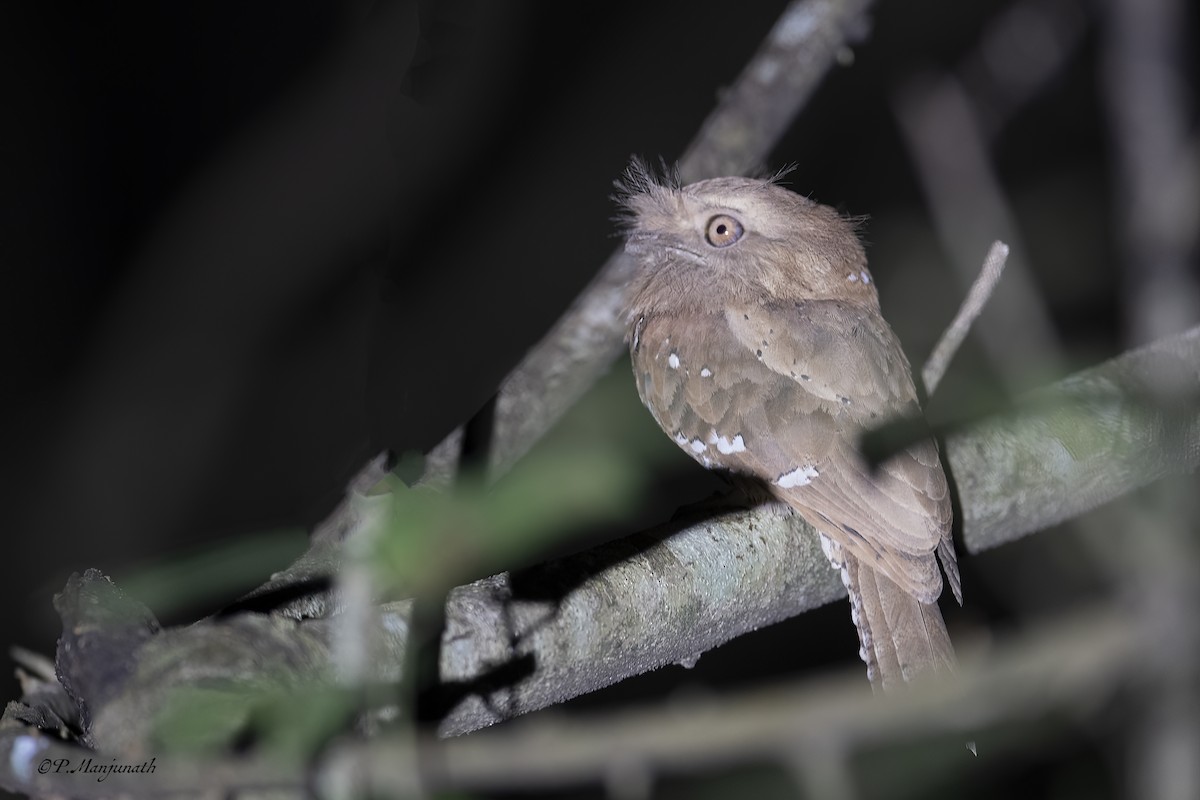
248, 245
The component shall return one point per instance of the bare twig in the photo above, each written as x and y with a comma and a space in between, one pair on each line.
976, 299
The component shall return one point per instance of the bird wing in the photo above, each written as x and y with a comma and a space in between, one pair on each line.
783, 392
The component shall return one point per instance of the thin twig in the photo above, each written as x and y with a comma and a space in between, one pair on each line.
976, 299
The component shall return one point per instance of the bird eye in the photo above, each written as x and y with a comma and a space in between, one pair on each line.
723, 230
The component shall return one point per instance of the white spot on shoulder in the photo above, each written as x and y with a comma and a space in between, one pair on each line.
865, 277
706, 373
673, 361
800, 476
698, 446
852, 277
735, 445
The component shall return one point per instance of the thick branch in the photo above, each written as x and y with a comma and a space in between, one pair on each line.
1079, 443
515, 643
1066, 450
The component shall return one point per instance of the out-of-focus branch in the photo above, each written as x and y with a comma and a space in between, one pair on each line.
969, 210
1018, 56
1062, 666
1159, 195
1065, 667
1158, 201
948, 121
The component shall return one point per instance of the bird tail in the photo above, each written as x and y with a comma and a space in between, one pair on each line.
900, 637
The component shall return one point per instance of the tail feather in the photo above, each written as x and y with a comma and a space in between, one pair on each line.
902, 638
945, 551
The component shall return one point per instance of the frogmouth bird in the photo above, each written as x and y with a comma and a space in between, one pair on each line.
759, 347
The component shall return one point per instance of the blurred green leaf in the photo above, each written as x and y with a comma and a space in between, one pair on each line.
588, 470
290, 723
214, 574
433, 540
294, 725
203, 719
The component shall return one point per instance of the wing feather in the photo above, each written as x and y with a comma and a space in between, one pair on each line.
814, 375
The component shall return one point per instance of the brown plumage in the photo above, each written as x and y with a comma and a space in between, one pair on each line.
759, 347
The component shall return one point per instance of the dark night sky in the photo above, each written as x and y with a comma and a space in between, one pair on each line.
247, 245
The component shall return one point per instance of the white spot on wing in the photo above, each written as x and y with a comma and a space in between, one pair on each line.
673, 361
681, 440
698, 446
832, 551
735, 445
865, 277
800, 476
852, 277
706, 373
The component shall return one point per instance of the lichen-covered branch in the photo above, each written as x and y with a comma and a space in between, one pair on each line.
1065, 450
1077, 444
518, 642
